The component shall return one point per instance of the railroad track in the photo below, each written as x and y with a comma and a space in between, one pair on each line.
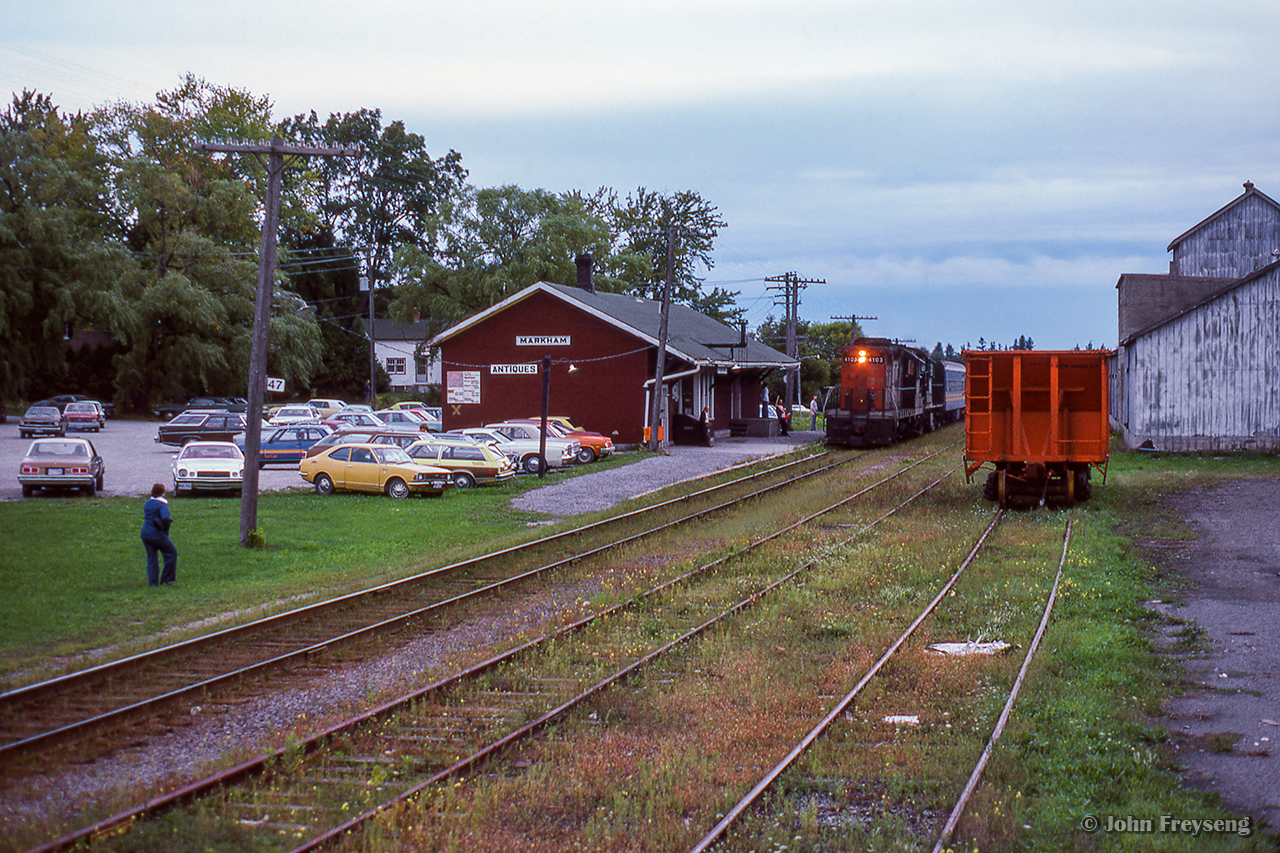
752, 797
82, 705
328, 785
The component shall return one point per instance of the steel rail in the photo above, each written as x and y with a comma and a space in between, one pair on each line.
99, 720
260, 764
975, 777
497, 746
817, 731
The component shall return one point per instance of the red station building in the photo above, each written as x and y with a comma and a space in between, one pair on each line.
603, 355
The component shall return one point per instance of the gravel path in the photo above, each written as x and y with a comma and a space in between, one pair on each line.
604, 489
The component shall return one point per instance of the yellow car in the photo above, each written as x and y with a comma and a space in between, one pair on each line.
469, 461
376, 468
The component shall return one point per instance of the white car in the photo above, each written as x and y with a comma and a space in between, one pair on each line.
560, 451
303, 413
208, 466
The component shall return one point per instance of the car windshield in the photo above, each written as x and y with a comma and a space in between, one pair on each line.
59, 448
391, 454
82, 407
42, 412
197, 451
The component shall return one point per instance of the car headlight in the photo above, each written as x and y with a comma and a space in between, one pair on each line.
182, 472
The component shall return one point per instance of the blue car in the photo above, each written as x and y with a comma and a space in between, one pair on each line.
287, 444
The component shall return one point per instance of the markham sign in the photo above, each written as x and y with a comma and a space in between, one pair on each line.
542, 340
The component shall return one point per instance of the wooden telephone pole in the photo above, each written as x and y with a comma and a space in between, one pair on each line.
791, 284
275, 151
655, 403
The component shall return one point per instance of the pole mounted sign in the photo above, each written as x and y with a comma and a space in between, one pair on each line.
276, 385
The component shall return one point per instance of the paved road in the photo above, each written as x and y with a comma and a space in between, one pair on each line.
1233, 686
134, 461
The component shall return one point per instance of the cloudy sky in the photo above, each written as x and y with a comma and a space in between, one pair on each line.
959, 170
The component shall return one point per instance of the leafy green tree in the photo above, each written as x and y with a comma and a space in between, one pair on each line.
183, 310
55, 255
494, 242
639, 223
820, 348
367, 209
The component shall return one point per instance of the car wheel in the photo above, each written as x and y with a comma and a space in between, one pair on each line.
532, 464
21, 434
28, 491
463, 480
176, 490
586, 455
324, 485
99, 481
91, 489
397, 488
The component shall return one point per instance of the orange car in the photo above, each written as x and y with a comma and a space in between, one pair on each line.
594, 445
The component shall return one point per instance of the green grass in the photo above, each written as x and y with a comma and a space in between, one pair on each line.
75, 570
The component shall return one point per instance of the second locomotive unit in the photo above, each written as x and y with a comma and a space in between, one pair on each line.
889, 391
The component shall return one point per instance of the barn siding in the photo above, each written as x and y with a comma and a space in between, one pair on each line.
1234, 244
1203, 381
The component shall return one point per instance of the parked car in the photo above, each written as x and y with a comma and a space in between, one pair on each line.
327, 406
560, 451
362, 435
353, 419
287, 444
42, 420
84, 415
594, 445
223, 404
357, 407
200, 426
469, 462
208, 466
300, 413
61, 463
373, 468
405, 418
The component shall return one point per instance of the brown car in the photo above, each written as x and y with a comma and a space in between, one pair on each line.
61, 463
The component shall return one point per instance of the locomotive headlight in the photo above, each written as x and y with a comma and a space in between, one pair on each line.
862, 356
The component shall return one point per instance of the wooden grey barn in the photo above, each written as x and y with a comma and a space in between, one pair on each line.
1200, 347
603, 349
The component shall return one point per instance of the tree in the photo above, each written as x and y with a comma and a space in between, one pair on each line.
494, 242
184, 307
54, 254
820, 350
639, 224
367, 209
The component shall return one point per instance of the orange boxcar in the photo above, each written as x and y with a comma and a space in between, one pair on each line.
1039, 419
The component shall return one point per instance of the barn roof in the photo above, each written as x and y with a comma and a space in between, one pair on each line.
1232, 285
691, 335
1249, 190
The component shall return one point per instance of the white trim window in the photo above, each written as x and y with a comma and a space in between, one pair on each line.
395, 366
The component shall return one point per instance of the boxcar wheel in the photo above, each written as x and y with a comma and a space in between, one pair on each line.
990, 489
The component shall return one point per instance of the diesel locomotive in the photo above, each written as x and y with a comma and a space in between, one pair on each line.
889, 391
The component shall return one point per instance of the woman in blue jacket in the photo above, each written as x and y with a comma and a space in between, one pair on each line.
155, 537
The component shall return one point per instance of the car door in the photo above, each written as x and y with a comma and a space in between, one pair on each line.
336, 468
281, 446
364, 472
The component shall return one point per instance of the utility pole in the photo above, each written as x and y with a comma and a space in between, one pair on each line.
275, 151
655, 404
853, 325
791, 284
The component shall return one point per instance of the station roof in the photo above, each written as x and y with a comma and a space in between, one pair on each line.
691, 335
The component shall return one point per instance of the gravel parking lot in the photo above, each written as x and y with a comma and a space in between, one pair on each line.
132, 458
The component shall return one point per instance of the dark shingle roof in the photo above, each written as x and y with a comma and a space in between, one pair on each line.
690, 333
